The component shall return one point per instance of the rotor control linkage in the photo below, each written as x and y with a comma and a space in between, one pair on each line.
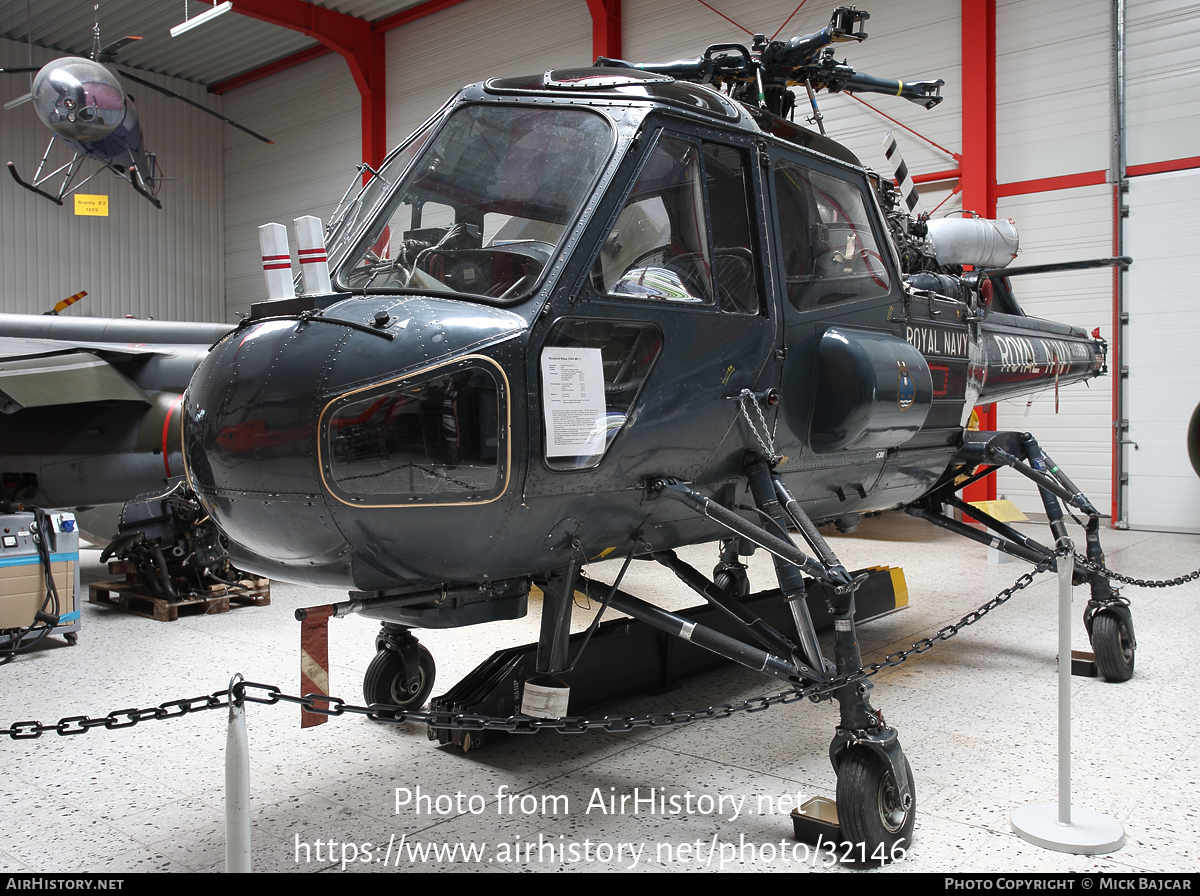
753, 625
791, 582
756, 535
791, 671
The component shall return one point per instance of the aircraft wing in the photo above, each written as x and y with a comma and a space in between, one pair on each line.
60, 378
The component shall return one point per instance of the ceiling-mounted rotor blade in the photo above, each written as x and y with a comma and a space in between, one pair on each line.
112, 49
200, 106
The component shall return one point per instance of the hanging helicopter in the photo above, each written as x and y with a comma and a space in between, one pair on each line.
608, 312
83, 103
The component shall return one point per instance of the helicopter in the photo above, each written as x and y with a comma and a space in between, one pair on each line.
83, 103
608, 312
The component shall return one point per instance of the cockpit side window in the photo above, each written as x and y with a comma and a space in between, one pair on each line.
734, 269
684, 234
830, 252
659, 246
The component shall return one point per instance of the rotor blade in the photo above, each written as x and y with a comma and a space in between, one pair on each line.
112, 49
199, 106
18, 69
12, 104
908, 190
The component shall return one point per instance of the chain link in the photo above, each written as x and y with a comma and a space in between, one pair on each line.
762, 432
248, 691
1093, 566
121, 718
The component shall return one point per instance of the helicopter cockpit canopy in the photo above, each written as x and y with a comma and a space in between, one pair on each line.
484, 207
78, 99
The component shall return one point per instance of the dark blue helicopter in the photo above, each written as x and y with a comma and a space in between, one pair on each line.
604, 313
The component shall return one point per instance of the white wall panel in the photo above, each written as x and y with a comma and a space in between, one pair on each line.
1163, 230
430, 59
1162, 81
1065, 225
313, 113
1052, 88
139, 260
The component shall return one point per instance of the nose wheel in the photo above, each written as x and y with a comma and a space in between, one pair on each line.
871, 811
1113, 645
402, 672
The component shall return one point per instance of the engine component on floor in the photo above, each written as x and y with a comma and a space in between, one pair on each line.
172, 544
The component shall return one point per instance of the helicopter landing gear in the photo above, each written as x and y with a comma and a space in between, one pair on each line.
875, 793
730, 574
402, 672
1113, 645
1110, 628
982, 453
871, 809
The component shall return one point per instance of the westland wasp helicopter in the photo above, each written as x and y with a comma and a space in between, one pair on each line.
604, 313
83, 103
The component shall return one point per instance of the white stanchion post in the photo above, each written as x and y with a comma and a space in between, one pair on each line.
237, 788
1061, 826
276, 261
310, 248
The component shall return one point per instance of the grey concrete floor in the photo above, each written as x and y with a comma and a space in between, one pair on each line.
976, 716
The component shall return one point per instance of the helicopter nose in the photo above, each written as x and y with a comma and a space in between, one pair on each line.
250, 439
297, 430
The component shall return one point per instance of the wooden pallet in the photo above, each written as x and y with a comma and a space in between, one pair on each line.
133, 598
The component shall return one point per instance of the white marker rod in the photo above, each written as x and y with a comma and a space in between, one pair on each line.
237, 790
1066, 573
310, 247
277, 261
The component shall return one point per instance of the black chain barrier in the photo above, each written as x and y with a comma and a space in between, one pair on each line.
242, 691
1091, 566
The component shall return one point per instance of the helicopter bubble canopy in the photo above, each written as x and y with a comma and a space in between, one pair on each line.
78, 99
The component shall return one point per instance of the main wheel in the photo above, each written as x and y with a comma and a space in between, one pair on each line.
386, 681
869, 809
733, 580
1113, 647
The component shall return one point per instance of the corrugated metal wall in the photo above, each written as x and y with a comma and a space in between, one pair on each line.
1164, 320
139, 260
1162, 80
1052, 119
429, 60
1065, 225
312, 112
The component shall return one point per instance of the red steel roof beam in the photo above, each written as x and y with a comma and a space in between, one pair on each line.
354, 40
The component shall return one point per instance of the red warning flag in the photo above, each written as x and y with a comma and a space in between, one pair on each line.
314, 659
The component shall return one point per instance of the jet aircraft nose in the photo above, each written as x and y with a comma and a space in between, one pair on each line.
293, 422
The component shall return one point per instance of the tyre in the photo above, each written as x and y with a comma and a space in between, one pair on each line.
869, 810
385, 680
733, 580
1113, 647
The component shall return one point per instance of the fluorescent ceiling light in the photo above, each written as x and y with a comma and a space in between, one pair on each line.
202, 18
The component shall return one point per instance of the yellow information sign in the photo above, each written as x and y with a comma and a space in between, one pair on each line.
91, 205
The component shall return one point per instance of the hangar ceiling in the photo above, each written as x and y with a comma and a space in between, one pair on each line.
224, 48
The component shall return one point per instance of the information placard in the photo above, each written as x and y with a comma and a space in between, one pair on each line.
573, 406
